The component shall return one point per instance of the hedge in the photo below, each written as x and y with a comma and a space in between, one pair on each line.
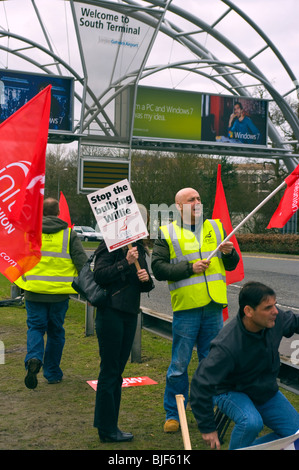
269, 243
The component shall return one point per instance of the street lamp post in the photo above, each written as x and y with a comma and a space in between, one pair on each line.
58, 184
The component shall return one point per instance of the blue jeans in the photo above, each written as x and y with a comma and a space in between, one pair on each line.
189, 328
249, 418
46, 317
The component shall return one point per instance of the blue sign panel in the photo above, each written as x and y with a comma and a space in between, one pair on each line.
16, 88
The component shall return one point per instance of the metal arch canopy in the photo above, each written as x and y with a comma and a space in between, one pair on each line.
154, 14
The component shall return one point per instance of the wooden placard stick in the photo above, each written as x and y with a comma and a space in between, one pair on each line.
135, 262
183, 421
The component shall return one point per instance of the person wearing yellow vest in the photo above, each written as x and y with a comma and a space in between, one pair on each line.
197, 289
46, 291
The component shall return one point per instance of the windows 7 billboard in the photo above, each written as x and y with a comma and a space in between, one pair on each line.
16, 88
183, 115
234, 120
166, 113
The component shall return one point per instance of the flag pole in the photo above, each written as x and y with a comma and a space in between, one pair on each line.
248, 217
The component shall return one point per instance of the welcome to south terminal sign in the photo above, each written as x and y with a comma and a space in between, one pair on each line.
104, 20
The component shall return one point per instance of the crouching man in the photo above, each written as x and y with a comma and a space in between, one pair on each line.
239, 375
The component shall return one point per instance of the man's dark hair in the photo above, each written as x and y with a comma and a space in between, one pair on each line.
252, 294
239, 104
51, 207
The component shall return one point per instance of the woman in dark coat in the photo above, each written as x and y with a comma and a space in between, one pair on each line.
115, 328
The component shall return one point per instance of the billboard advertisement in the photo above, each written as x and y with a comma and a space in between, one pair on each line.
16, 88
182, 115
168, 114
234, 119
114, 46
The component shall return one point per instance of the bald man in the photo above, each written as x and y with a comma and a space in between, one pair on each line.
197, 289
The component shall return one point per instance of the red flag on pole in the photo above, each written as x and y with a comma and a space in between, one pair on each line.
23, 138
289, 203
64, 212
221, 212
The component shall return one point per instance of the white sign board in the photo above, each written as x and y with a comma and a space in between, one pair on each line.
285, 443
118, 215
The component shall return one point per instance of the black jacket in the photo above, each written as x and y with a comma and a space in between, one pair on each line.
240, 361
112, 271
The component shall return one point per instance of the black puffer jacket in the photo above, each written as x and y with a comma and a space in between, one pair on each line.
240, 361
112, 270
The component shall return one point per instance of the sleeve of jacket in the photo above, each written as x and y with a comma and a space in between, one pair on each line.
290, 322
146, 286
162, 269
230, 261
110, 266
211, 372
78, 255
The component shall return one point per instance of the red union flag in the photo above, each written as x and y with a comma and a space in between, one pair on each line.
289, 202
64, 212
23, 139
221, 212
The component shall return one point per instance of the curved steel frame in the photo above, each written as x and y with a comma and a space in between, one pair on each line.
223, 73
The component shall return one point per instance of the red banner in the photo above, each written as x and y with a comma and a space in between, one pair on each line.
64, 213
23, 138
289, 203
221, 212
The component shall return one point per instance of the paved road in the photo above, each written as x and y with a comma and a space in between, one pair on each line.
279, 272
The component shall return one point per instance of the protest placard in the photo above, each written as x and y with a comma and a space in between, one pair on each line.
118, 215
128, 382
285, 443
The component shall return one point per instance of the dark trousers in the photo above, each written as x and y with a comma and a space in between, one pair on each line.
115, 331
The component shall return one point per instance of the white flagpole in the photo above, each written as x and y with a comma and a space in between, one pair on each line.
248, 217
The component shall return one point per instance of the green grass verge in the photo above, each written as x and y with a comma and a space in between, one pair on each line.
60, 417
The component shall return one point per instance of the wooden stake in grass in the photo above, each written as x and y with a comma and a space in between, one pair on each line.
183, 421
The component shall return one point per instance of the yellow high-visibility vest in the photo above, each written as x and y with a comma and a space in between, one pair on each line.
55, 271
198, 289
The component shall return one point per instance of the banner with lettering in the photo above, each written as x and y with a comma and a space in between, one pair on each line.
23, 139
114, 45
118, 215
128, 382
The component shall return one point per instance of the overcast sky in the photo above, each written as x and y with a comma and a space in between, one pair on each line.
277, 18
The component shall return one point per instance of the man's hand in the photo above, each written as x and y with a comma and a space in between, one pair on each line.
226, 248
211, 439
200, 266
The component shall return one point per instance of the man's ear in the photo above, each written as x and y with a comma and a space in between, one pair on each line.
178, 206
248, 310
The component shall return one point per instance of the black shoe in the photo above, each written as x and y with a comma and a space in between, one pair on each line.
57, 381
117, 436
33, 368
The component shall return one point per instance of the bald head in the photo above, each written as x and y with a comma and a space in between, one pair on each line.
51, 207
188, 203
183, 194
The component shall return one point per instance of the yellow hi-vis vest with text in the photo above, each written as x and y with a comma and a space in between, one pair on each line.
198, 289
55, 271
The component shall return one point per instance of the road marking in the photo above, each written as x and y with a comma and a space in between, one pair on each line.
279, 305
270, 257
